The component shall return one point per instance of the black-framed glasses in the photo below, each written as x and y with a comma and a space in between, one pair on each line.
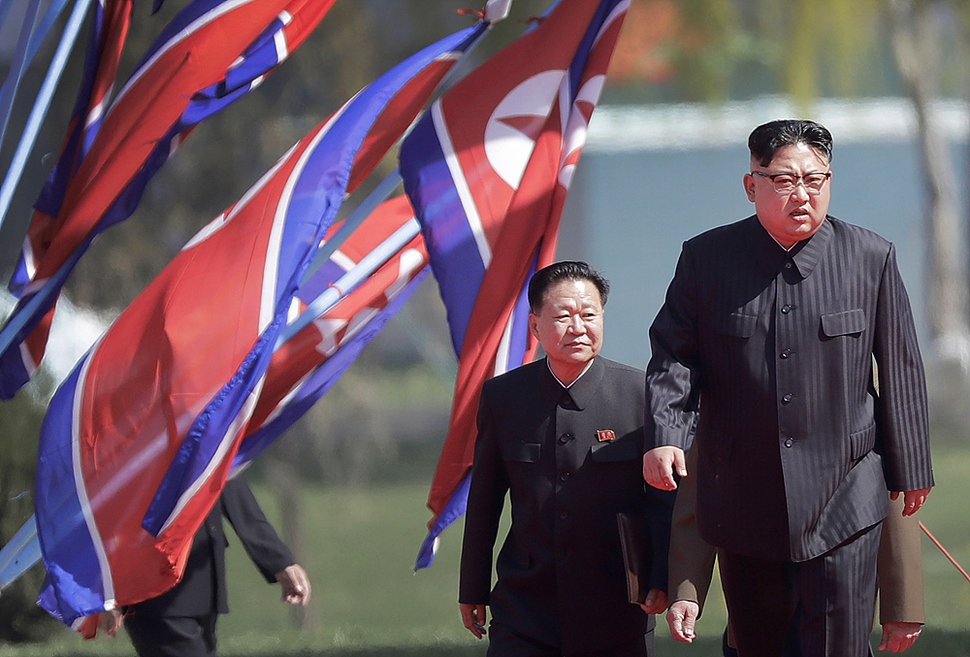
785, 183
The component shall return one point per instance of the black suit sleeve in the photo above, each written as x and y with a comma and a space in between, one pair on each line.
486, 497
260, 540
672, 372
901, 411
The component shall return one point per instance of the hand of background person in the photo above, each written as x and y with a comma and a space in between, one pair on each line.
681, 618
913, 499
655, 602
111, 621
473, 616
897, 637
659, 465
295, 584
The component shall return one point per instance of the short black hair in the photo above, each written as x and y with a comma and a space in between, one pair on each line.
567, 270
766, 139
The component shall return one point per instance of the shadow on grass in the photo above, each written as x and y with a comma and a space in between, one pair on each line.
935, 643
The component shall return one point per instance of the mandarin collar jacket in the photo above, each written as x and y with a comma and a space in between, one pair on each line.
775, 349
568, 460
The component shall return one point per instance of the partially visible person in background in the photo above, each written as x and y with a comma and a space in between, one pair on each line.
182, 621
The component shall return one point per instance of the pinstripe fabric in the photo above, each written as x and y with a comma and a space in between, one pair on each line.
779, 346
830, 598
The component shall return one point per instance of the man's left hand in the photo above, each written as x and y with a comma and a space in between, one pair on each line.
659, 465
897, 637
656, 602
295, 584
681, 618
913, 499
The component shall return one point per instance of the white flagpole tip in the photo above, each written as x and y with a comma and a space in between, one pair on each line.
496, 10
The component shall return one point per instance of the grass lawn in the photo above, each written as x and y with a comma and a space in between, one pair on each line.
360, 548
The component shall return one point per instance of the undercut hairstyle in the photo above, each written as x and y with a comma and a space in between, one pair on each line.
567, 270
766, 139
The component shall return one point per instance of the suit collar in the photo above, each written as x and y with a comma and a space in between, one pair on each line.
805, 255
812, 249
581, 392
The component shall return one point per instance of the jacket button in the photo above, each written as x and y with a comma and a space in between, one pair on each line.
785, 309
563, 515
789, 442
785, 353
565, 438
564, 476
787, 398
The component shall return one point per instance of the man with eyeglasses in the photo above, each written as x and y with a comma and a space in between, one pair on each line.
771, 326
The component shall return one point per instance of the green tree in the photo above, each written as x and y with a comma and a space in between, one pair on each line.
20, 619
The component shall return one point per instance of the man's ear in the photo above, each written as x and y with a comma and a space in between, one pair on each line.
534, 326
748, 182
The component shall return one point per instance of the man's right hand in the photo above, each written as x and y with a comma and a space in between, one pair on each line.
294, 584
659, 464
681, 618
473, 616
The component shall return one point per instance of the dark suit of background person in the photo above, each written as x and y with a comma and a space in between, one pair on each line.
570, 460
181, 622
899, 572
770, 325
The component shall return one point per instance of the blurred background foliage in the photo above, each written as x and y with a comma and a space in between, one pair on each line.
383, 424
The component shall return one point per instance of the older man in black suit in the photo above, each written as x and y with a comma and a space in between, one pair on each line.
563, 438
771, 325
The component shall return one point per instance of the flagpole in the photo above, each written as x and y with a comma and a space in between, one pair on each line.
349, 281
37, 37
22, 552
18, 65
4, 10
39, 111
356, 218
19, 319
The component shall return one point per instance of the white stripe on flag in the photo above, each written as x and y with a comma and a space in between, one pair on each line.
461, 184
107, 581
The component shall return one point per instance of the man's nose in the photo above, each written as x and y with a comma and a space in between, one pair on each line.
801, 191
576, 324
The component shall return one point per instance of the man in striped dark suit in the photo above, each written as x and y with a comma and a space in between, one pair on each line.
771, 325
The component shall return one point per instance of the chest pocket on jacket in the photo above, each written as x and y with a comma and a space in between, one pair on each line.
846, 322
862, 442
626, 448
736, 325
522, 452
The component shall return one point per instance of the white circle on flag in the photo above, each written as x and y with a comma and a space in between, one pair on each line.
516, 123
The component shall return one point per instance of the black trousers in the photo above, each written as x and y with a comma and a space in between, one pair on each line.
503, 642
172, 636
827, 603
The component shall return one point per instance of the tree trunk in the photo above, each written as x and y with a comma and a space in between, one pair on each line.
286, 487
915, 40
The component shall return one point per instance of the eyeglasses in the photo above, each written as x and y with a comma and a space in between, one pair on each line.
785, 183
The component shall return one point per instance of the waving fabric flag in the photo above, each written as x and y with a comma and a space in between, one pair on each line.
389, 248
143, 433
109, 29
487, 171
213, 52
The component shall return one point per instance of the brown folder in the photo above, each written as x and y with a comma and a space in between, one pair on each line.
636, 555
